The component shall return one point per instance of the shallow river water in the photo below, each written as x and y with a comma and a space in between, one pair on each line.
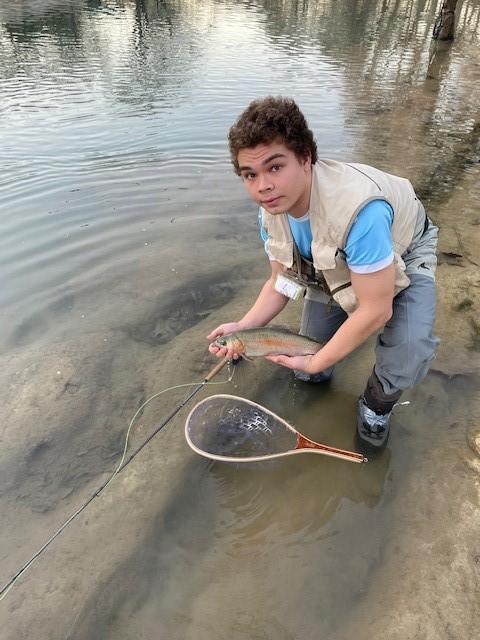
125, 238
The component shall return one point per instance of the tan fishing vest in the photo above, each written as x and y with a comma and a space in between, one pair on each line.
339, 191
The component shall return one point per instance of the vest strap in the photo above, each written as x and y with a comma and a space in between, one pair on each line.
304, 272
341, 288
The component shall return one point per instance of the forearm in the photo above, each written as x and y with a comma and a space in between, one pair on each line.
268, 304
358, 327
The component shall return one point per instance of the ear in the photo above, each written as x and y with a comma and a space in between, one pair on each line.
307, 162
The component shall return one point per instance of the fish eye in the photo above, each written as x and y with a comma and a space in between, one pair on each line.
222, 342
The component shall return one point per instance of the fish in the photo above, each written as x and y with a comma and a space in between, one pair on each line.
267, 341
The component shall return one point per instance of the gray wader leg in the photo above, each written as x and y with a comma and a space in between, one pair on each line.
407, 345
403, 354
320, 320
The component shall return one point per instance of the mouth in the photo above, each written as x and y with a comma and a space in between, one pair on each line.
272, 201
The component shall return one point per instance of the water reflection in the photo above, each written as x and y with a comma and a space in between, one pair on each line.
387, 45
141, 55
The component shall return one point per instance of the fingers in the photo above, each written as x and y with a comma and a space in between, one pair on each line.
221, 352
217, 351
215, 334
223, 329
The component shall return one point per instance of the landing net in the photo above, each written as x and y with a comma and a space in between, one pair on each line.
225, 427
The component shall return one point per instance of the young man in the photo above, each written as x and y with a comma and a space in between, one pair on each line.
356, 240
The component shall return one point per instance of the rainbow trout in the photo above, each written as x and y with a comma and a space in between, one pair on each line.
265, 341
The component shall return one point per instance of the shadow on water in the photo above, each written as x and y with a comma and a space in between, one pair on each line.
183, 307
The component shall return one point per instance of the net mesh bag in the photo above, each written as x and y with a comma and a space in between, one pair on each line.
226, 427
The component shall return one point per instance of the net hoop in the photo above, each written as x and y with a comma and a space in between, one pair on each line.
221, 458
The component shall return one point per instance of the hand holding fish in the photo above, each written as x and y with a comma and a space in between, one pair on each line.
299, 363
222, 330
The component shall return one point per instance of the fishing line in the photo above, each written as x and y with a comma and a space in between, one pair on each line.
123, 463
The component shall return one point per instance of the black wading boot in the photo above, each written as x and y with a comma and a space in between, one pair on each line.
374, 413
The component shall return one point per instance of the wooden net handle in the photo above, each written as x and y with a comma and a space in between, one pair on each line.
351, 456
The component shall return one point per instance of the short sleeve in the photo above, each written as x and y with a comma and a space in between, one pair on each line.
369, 245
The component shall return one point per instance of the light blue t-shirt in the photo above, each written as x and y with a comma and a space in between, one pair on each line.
369, 246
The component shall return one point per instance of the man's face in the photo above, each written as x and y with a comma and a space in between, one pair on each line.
276, 179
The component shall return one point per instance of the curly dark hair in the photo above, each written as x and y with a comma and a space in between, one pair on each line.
268, 120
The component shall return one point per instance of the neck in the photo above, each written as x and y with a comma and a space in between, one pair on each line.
301, 207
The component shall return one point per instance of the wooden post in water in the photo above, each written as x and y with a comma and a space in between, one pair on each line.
444, 28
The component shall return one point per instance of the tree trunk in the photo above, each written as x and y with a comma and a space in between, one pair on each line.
444, 28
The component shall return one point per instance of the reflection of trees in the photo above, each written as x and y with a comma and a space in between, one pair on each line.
380, 37
330, 22
61, 23
417, 120
142, 49
145, 51
168, 42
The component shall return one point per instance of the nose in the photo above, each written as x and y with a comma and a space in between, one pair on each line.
264, 183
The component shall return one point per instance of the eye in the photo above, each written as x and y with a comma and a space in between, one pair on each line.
222, 342
249, 176
276, 167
